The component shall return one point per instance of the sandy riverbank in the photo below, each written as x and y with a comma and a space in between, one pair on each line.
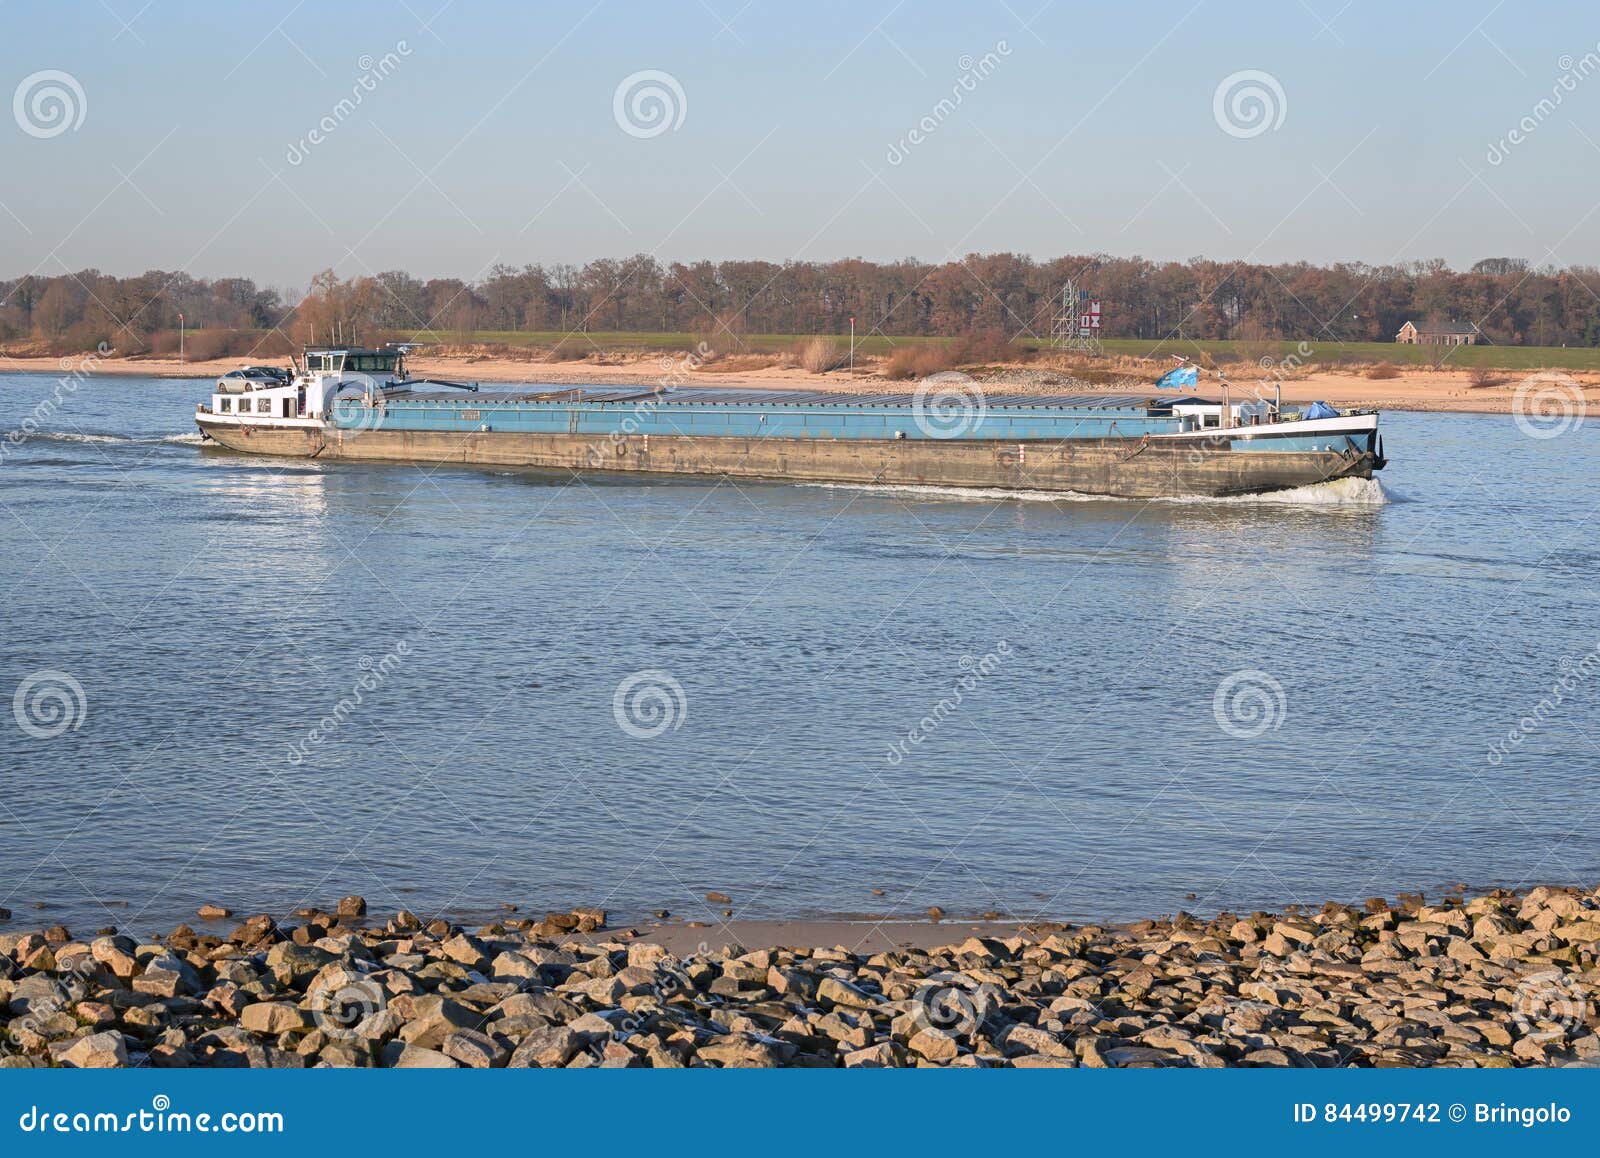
1422, 389
1498, 980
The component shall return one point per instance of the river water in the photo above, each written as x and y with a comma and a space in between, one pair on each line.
274, 682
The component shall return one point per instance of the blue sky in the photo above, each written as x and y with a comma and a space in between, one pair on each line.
494, 135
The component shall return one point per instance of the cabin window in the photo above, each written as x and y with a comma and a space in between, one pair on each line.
263, 406
224, 405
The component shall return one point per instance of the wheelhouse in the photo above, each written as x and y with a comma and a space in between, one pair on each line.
388, 363
269, 393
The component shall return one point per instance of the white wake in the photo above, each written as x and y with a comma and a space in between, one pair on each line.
1344, 492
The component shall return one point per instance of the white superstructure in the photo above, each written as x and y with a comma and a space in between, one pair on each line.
267, 395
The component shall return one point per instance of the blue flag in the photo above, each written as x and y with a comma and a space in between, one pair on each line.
1179, 378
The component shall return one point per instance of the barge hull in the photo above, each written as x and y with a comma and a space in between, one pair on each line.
1124, 468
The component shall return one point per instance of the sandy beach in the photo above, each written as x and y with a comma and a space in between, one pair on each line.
1423, 389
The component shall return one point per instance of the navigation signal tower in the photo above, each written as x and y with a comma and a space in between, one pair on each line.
1077, 322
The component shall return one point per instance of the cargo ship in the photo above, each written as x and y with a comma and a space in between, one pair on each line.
349, 403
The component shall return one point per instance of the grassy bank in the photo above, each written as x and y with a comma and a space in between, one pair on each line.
270, 346
879, 345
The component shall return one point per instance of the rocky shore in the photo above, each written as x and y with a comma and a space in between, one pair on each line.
1498, 980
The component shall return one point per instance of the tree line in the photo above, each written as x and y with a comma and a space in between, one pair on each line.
1007, 293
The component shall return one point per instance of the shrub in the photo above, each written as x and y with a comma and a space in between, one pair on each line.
724, 336
916, 362
1483, 377
820, 355
983, 346
1382, 371
568, 350
744, 364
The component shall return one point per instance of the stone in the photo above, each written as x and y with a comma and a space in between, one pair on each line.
116, 954
551, 1047
170, 1057
717, 898
833, 992
934, 1044
475, 1050
210, 912
97, 1051
1139, 1055
351, 907
1268, 1057
465, 950
646, 954
167, 976
589, 919
735, 1051
295, 965
880, 1056
548, 1007
95, 1014
274, 1017
852, 1034
791, 982
1019, 1038
515, 967
434, 1018
378, 1027
414, 1057
343, 1055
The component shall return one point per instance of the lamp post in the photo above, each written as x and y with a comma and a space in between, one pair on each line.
180, 339
852, 345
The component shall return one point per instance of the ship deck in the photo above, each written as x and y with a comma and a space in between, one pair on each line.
784, 399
